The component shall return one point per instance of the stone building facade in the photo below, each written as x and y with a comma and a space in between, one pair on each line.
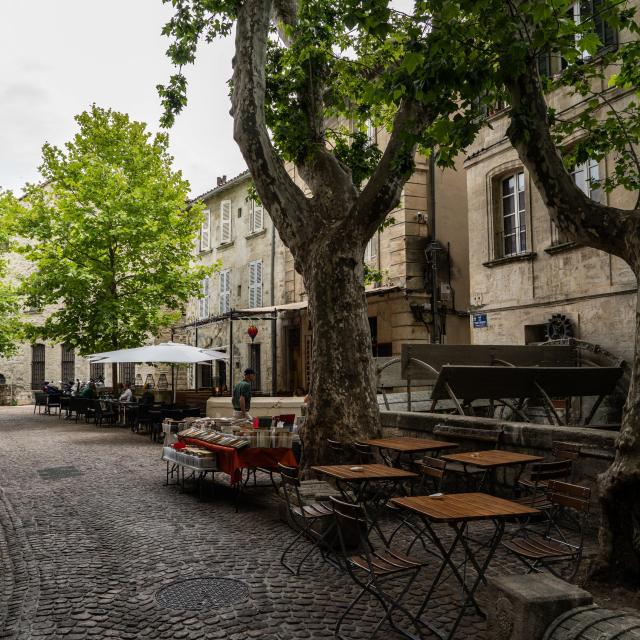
527, 281
239, 237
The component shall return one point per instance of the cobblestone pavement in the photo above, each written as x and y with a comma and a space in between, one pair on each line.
83, 556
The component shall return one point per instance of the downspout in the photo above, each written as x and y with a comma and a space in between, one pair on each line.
274, 319
435, 332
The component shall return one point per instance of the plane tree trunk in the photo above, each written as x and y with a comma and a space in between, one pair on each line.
343, 389
615, 231
327, 230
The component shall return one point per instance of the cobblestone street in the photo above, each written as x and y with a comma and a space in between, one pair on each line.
83, 556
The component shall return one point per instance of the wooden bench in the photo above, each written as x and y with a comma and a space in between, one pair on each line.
512, 385
424, 361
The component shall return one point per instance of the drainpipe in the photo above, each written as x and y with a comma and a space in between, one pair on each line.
435, 331
274, 319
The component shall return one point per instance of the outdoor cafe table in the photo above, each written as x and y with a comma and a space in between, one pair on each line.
457, 510
407, 446
387, 481
490, 460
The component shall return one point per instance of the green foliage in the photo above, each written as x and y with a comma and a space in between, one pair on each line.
9, 305
110, 235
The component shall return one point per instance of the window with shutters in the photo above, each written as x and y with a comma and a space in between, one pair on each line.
205, 231
37, 365
371, 250
255, 284
225, 291
225, 221
68, 368
203, 302
371, 132
256, 220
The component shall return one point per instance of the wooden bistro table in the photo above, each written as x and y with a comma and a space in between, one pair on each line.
490, 460
406, 447
457, 510
358, 478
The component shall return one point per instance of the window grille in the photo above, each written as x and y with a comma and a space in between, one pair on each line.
96, 371
37, 365
127, 372
68, 368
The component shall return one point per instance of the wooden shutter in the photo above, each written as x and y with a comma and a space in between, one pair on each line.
204, 300
255, 284
205, 231
225, 221
225, 291
257, 218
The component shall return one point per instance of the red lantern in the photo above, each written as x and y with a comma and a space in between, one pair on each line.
253, 332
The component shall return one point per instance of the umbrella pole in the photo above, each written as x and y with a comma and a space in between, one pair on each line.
173, 381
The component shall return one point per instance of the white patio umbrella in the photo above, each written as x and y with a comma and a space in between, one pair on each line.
170, 352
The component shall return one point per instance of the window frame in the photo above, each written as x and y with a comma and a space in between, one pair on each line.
38, 365
519, 215
371, 249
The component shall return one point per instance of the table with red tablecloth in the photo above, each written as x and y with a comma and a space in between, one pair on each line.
232, 461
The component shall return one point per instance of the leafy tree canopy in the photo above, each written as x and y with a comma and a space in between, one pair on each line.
9, 320
110, 234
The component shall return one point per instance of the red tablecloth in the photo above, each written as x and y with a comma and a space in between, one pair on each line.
231, 461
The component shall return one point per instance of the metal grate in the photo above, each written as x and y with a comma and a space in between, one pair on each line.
56, 473
202, 593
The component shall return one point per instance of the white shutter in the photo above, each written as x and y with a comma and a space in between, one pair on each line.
258, 286
257, 217
255, 284
225, 221
252, 285
225, 290
203, 302
205, 231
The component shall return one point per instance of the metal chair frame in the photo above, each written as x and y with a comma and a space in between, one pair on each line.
338, 451
303, 517
554, 546
371, 569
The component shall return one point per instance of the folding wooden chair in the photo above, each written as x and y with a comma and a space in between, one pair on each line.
554, 546
432, 472
538, 481
312, 521
364, 453
372, 569
337, 452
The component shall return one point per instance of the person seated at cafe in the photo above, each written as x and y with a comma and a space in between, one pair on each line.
50, 388
147, 396
127, 394
89, 391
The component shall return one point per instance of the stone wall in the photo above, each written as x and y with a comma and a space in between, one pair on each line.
597, 446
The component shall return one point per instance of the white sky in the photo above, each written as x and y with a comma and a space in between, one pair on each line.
57, 57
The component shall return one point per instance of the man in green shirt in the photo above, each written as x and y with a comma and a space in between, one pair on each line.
242, 395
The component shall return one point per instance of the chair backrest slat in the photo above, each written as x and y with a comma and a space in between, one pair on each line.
569, 495
565, 450
542, 471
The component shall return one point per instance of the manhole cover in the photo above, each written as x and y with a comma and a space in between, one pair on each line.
202, 593
55, 473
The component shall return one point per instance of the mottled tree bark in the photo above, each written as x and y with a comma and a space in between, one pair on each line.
326, 232
615, 231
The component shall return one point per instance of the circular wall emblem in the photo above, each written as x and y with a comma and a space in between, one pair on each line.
202, 593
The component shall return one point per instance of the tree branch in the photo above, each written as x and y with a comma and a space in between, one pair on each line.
286, 203
588, 222
383, 190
